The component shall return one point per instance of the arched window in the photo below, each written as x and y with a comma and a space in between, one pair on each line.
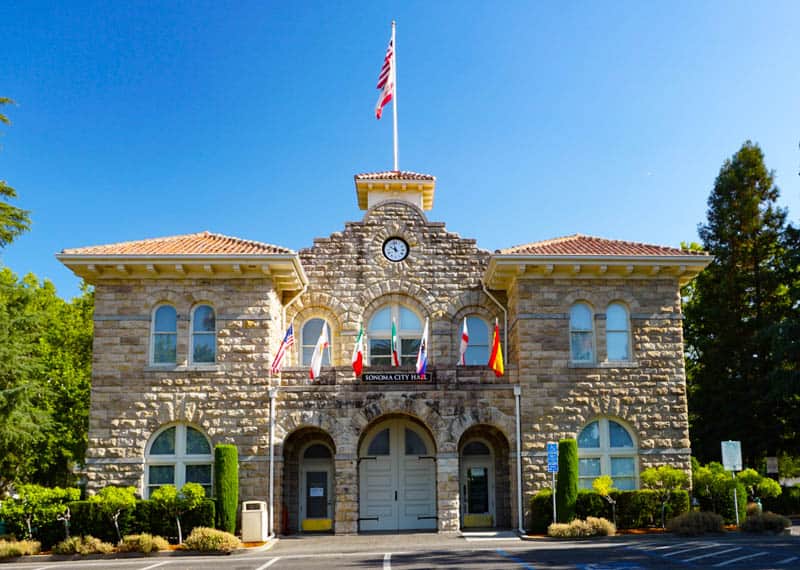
204, 335
618, 340
478, 346
581, 333
176, 455
409, 330
164, 343
605, 447
309, 335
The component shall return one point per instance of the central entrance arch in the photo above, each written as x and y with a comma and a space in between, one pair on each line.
397, 477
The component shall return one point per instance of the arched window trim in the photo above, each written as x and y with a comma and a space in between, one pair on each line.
479, 439
402, 334
180, 459
626, 332
193, 334
312, 443
483, 358
575, 333
605, 452
154, 333
312, 342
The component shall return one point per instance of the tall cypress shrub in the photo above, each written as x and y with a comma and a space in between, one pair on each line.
226, 486
567, 481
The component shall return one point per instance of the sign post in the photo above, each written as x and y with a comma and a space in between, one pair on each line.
732, 461
552, 467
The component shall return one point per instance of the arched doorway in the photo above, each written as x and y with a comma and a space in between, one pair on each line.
397, 477
308, 480
484, 478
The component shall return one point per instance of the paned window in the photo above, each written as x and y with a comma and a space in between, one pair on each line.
618, 340
309, 335
379, 332
204, 335
164, 343
177, 455
581, 333
606, 447
478, 346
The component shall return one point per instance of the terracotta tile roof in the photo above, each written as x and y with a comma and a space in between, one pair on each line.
579, 244
203, 243
394, 175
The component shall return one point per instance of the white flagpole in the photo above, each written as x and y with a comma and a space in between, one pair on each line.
394, 106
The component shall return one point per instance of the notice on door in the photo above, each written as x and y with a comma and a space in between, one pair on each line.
316, 492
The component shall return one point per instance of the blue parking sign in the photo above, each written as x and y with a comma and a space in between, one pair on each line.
552, 457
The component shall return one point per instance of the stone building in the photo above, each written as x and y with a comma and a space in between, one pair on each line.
186, 328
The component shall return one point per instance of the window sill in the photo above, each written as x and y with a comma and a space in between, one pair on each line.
183, 368
605, 364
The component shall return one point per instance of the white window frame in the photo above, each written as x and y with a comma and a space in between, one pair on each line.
590, 331
312, 342
402, 334
626, 331
179, 460
489, 330
153, 335
193, 333
605, 452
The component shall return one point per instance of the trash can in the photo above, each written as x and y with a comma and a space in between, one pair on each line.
254, 521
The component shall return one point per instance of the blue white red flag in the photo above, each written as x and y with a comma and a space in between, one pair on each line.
422, 355
286, 344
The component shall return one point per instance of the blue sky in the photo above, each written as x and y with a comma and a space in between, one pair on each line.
145, 119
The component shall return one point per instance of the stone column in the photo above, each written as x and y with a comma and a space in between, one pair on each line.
447, 492
346, 494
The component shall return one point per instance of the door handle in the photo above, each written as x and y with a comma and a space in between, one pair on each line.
395, 495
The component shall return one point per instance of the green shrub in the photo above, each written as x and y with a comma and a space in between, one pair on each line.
787, 503
713, 488
149, 517
577, 528
696, 523
567, 479
15, 548
765, 523
541, 511
226, 486
211, 540
592, 504
83, 545
113, 502
34, 512
144, 543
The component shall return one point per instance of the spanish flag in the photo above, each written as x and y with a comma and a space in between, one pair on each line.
496, 357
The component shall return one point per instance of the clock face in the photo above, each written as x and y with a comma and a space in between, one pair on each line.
395, 249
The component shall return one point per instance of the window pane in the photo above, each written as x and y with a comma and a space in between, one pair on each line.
379, 444
622, 467
165, 348
625, 483
617, 345
590, 436
476, 355
196, 443
204, 319
380, 347
311, 331
164, 443
166, 319
586, 483
162, 475
619, 436
409, 321
580, 318
589, 467
475, 448
616, 318
317, 451
409, 347
205, 348
478, 331
198, 474
414, 444
582, 347
381, 321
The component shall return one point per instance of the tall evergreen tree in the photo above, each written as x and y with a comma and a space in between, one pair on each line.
733, 304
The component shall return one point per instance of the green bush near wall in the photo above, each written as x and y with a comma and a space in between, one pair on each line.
723, 502
226, 486
787, 503
567, 480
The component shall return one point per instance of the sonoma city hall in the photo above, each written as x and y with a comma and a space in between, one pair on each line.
186, 328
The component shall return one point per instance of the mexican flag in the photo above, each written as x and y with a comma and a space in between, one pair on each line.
358, 352
395, 351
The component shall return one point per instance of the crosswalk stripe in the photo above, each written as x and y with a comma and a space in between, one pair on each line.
740, 558
268, 564
786, 561
387, 561
694, 547
712, 554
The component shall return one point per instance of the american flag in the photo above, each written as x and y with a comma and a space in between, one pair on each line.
286, 344
386, 80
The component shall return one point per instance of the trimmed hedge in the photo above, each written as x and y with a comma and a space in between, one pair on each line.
567, 480
787, 503
226, 486
724, 505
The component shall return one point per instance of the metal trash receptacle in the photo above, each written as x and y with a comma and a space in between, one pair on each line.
254, 521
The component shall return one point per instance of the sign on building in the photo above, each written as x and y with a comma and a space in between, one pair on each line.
772, 465
732, 455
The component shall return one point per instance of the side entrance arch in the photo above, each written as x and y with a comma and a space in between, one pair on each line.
308, 481
484, 476
397, 477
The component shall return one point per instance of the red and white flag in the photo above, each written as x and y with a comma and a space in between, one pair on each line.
386, 80
462, 351
319, 352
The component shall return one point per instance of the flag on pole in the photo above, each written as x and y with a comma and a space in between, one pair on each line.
395, 351
386, 80
462, 351
358, 351
422, 354
319, 352
496, 357
286, 344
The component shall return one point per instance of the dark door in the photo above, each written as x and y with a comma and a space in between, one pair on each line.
316, 494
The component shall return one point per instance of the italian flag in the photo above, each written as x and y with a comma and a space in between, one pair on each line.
358, 352
395, 352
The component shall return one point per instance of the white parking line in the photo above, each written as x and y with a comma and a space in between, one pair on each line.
156, 565
697, 547
712, 554
387, 561
268, 564
738, 559
787, 560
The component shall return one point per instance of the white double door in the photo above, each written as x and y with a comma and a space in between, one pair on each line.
397, 478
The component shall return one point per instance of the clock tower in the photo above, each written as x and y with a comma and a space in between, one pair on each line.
412, 187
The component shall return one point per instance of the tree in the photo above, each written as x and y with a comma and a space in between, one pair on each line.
567, 480
113, 501
731, 306
13, 220
664, 480
758, 487
176, 503
34, 506
226, 485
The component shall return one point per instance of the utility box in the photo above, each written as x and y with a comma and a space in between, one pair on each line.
254, 521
